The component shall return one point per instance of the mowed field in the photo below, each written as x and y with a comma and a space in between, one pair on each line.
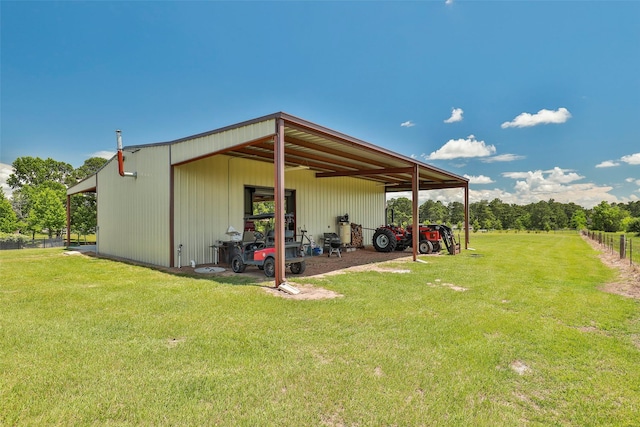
515, 332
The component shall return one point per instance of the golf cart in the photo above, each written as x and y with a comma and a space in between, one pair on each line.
256, 249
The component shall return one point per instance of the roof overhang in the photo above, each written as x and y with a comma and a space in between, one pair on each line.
85, 186
333, 154
310, 146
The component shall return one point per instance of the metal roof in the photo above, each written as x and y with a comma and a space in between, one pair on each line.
330, 154
326, 152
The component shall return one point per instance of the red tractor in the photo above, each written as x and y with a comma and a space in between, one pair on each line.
391, 237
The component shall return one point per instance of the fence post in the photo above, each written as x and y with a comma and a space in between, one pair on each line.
623, 247
630, 251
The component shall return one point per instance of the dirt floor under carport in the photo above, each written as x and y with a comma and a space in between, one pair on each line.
318, 266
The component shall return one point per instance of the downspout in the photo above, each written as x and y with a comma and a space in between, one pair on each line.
121, 157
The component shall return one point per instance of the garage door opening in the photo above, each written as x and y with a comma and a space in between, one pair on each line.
261, 200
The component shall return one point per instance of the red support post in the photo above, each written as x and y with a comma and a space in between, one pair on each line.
415, 187
68, 220
278, 192
466, 216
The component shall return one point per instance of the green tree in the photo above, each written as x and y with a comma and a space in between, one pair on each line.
559, 217
8, 218
541, 216
83, 214
402, 211
434, 212
35, 171
456, 212
634, 226
606, 217
578, 220
47, 212
501, 211
634, 208
88, 168
480, 212
84, 206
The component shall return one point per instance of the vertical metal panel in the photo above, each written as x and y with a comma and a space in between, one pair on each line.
198, 147
133, 213
209, 197
321, 201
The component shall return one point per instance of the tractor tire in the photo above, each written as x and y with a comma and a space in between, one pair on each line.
437, 247
237, 264
384, 240
298, 267
425, 247
269, 267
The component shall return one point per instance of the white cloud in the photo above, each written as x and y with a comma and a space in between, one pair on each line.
632, 159
542, 181
532, 187
558, 184
543, 116
407, 124
587, 195
516, 175
607, 164
480, 179
633, 180
502, 158
448, 2
457, 148
456, 115
5, 171
104, 154
559, 175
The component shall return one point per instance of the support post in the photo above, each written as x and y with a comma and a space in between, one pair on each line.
466, 216
623, 247
278, 193
68, 220
415, 236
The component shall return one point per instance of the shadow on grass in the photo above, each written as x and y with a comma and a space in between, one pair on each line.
227, 277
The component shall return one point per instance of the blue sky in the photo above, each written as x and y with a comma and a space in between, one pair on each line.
531, 100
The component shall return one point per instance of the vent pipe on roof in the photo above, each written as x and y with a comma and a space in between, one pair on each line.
121, 157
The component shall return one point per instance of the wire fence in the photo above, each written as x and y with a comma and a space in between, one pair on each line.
623, 244
56, 242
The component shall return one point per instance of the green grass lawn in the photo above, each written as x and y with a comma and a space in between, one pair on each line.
531, 341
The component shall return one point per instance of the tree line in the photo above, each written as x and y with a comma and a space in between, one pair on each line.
38, 204
39, 200
542, 216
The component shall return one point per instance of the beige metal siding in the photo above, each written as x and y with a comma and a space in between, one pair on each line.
209, 196
198, 147
321, 201
133, 213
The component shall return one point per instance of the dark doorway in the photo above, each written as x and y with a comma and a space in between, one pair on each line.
260, 200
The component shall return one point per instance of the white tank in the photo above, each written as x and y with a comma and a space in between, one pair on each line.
345, 233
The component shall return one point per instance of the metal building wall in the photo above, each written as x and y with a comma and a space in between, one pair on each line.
321, 201
133, 213
209, 197
201, 146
